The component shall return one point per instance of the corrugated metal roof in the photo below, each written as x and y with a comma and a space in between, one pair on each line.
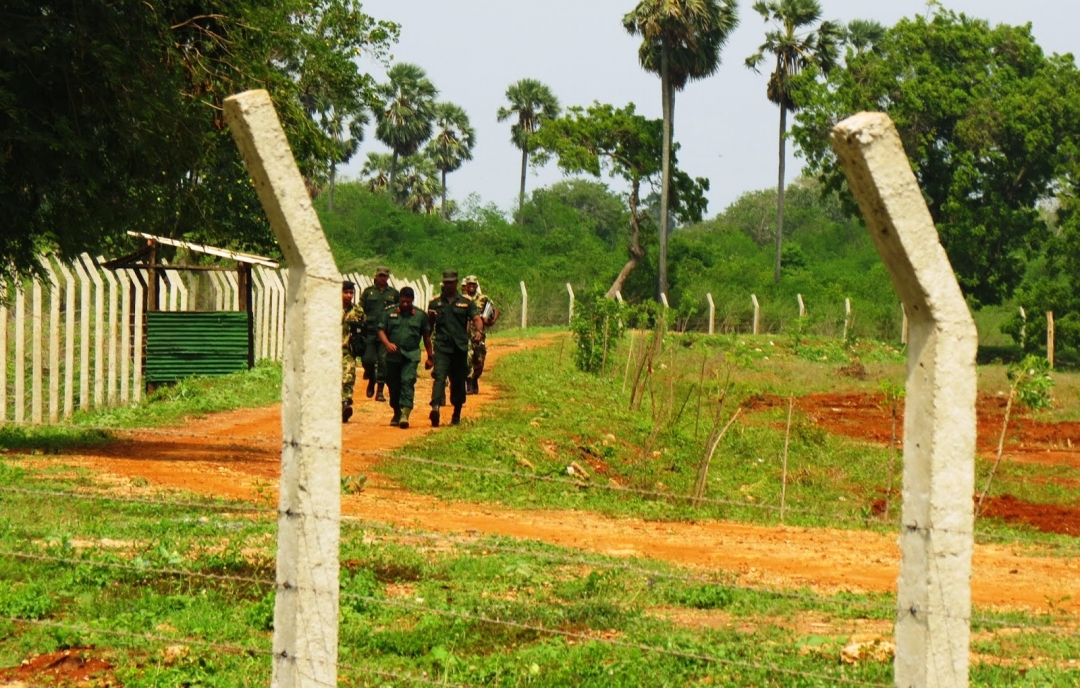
250, 258
182, 344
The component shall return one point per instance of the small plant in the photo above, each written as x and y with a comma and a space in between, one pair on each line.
598, 325
893, 394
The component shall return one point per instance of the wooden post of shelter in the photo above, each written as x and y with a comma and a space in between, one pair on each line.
243, 277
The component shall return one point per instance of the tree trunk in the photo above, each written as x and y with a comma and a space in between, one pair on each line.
665, 184
521, 193
393, 176
330, 191
780, 194
444, 194
636, 252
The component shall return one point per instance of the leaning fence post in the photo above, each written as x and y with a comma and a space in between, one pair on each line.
35, 346
1050, 338
69, 339
802, 306
84, 334
663, 300
54, 339
570, 290
757, 313
99, 329
712, 313
847, 318
20, 351
934, 590
524, 306
306, 604
125, 336
1023, 328
110, 384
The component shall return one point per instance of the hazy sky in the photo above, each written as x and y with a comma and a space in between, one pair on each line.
473, 49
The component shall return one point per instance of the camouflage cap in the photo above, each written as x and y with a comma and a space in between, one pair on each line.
346, 285
471, 279
382, 270
449, 276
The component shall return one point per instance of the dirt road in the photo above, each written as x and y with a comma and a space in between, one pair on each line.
236, 455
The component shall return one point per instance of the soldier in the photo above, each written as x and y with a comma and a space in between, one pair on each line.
401, 331
375, 300
352, 322
478, 346
450, 314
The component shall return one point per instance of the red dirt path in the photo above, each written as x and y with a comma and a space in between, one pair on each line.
224, 460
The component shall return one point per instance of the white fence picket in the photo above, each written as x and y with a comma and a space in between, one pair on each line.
125, 336
20, 353
35, 353
69, 339
54, 340
137, 337
110, 381
99, 330
3, 358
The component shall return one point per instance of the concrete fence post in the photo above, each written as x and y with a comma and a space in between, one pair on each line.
99, 329
904, 326
802, 306
618, 296
757, 313
69, 339
934, 590
54, 339
663, 300
3, 351
847, 318
20, 352
309, 512
570, 291
1050, 338
138, 317
84, 334
524, 306
37, 364
1023, 328
712, 313
110, 380
125, 336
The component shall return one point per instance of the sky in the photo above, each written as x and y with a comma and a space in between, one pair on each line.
473, 49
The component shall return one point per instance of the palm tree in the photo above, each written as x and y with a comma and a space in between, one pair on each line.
681, 42
404, 113
864, 35
796, 49
532, 102
346, 133
452, 144
420, 187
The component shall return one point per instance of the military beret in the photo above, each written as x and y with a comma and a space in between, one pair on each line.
407, 292
346, 285
449, 276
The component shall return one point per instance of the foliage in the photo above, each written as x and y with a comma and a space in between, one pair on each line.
598, 326
452, 143
111, 114
531, 103
988, 120
1032, 382
404, 108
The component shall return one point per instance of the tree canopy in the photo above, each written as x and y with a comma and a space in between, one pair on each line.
990, 124
111, 113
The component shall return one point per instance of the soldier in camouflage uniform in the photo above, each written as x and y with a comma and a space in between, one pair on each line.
376, 300
477, 341
352, 321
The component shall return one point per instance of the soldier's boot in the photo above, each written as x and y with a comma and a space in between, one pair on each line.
370, 388
404, 424
379, 396
346, 411
396, 420
469, 386
434, 416
475, 385
456, 418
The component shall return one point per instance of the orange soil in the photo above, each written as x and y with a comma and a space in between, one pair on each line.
228, 459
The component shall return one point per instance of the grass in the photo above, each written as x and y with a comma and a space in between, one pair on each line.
550, 416
415, 606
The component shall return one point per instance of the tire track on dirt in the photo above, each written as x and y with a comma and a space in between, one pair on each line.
224, 461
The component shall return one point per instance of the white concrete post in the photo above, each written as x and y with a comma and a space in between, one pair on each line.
20, 352
934, 591
1023, 328
1050, 338
663, 300
37, 369
218, 287
570, 291
802, 306
137, 338
847, 317
904, 327
54, 339
425, 291
84, 334
757, 313
232, 294
618, 296
712, 313
69, 339
524, 306
306, 605
260, 297
99, 329
110, 380
3, 352
125, 335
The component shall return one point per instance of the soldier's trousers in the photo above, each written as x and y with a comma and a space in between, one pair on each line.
374, 359
401, 379
477, 356
348, 377
453, 364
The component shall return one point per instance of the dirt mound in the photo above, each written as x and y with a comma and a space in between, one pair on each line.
1045, 517
77, 666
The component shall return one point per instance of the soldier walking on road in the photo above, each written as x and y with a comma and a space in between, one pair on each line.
352, 343
375, 300
451, 314
478, 344
401, 331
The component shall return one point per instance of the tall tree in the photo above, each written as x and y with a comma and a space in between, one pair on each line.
796, 47
531, 102
111, 114
404, 112
681, 42
991, 125
863, 35
626, 145
452, 144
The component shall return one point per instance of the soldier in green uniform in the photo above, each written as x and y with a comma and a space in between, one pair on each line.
478, 344
352, 322
401, 331
375, 300
450, 314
